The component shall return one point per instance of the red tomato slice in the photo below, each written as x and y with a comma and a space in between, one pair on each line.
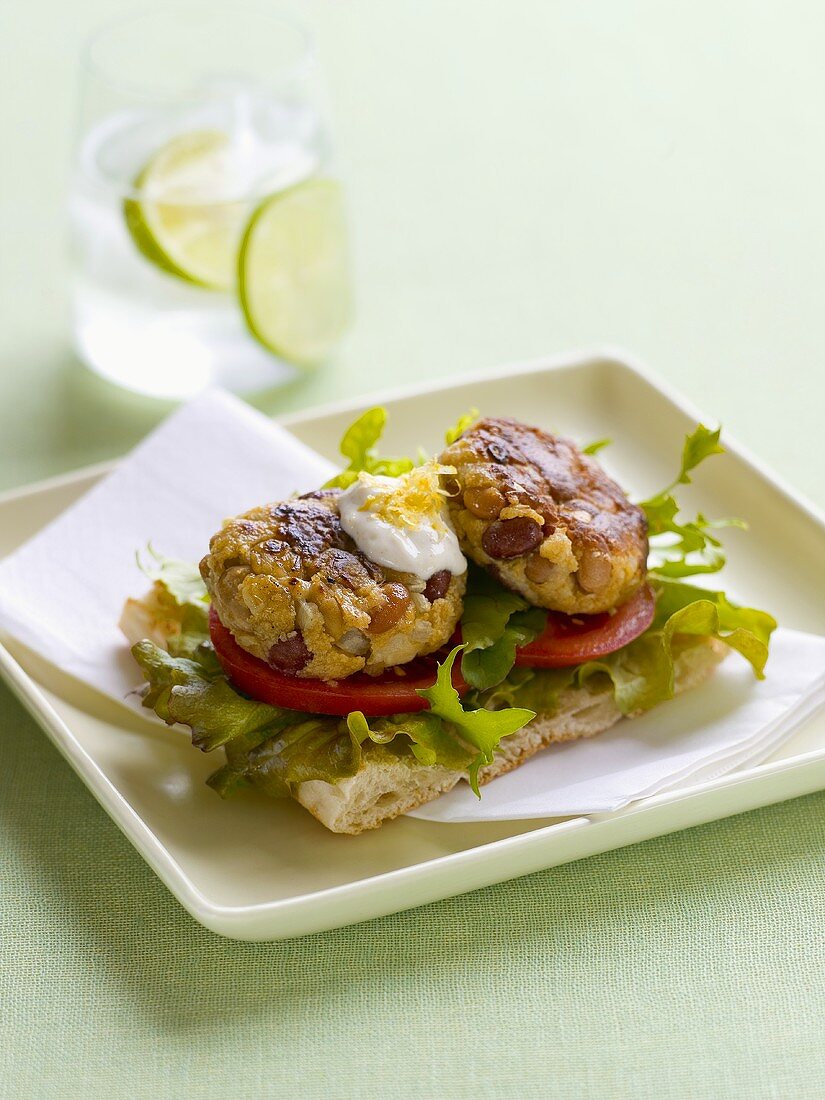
571, 639
393, 692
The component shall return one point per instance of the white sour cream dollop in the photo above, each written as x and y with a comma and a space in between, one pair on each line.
425, 544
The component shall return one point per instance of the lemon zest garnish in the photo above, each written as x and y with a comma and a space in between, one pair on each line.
416, 496
515, 511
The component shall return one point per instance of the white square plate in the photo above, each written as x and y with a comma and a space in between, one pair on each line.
253, 868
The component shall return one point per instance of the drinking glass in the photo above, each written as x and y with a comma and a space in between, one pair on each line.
208, 236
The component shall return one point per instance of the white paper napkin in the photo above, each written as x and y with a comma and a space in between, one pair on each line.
61, 594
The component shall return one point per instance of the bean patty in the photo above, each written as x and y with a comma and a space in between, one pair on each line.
544, 518
296, 591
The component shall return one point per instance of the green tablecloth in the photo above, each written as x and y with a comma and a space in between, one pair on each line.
523, 179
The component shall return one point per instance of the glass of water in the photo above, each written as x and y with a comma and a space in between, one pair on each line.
207, 226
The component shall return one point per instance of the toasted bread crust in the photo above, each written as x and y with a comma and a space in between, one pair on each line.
386, 789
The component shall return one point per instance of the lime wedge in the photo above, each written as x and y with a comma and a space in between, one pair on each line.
293, 275
184, 221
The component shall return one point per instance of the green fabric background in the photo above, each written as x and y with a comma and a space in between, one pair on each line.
523, 178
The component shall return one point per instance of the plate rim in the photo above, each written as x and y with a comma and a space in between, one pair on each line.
229, 919
579, 357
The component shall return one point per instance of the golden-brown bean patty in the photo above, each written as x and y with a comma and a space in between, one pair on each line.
295, 591
544, 518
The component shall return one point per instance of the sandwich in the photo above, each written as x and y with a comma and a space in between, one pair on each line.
364, 647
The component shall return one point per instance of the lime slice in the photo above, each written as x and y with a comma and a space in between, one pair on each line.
184, 221
293, 276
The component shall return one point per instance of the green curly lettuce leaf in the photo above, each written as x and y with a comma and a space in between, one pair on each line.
359, 446
175, 609
534, 688
642, 673
270, 747
699, 444
460, 427
317, 748
481, 728
232, 777
483, 668
195, 692
447, 734
746, 629
181, 579
276, 749
683, 548
431, 740
493, 624
596, 446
